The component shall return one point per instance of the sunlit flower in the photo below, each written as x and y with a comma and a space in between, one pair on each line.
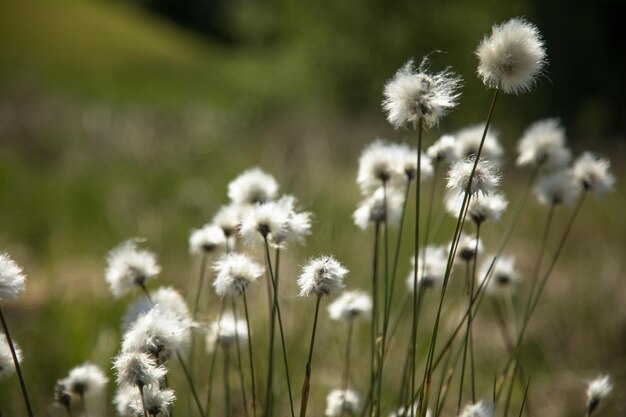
413, 95
252, 187
62, 394
167, 298
479, 409
431, 267
406, 162
341, 402
7, 366
129, 267
12, 279
228, 218
382, 206
138, 369
210, 238
234, 273
225, 332
511, 57
468, 247
86, 380
597, 391
543, 146
468, 140
321, 276
593, 174
124, 396
266, 221
350, 305
557, 188
157, 402
503, 274
377, 165
485, 180
403, 412
298, 222
443, 150
481, 208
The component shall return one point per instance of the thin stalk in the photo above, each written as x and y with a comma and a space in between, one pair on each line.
431, 202
16, 362
250, 350
465, 342
212, 365
225, 369
444, 371
196, 304
346, 371
374, 321
524, 399
544, 242
143, 400
470, 319
381, 359
280, 324
83, 406
190, 382
239, 365
410, 365
307, 375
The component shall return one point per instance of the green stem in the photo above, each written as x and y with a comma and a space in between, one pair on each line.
252, 378
212, 366
239, 362
307, 375
374, 327
143, 400
470, 318
226, 384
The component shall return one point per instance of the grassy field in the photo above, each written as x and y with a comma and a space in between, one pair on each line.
115, 124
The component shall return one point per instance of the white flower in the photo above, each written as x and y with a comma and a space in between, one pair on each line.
402, 412
138, 369
503, 275
298, 222
12, 279
234, 272
406, 161
157, 402
543, 146
225, 332
252, 187
377, 165
480, 409
468, 247
486, 177
413, 95
7, 366
480, 207
269, 220
86, 380
128, 267
593, 174
597, 391
321, 276
62, 393
228, 218
167, 298
444, 149
374, 210
350, 305
340, 402
209, 238
157, 332
431, 267
468, 140
511, 57
557, 188
124, 396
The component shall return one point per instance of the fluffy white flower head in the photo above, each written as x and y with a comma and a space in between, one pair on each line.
406, 161
485, 180
443, 150
480, 409
468, 140
481, 208
157, 402
167, 298
431, 268
342, 402
511, 57
557, 188
228, 218
298, 222
413, 95
129, 267
377, 165
252, 187
210, 238
350, 305
403, 412
321, 276
468, 247
234, 273
7, 366
86, 380
593, 174
158, 333
225, 332
138, 369
504, 276
374, 210
12, 279
269, 220
543, 146
597, 391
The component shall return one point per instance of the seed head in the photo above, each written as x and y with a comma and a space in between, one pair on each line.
543, 146
138, 369
443, 150
468, 141
350, 305
431, 267
557, 188
597, 391
86, 380
486, 177
593, 174
234, 273
321, 276
12, 279
253, 186
269, 220
228, 218
7, 366
208, 239
298, 222
167, 298
157, 402
504, 276
129, 267
511, 57
467, 249
374, 210
342, 402
225, 332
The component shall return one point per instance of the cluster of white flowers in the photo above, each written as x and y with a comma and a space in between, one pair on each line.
342, 402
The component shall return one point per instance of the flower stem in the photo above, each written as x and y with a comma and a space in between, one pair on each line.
212, 365
374, 321
307, 375
196, 304
252, 378
239, 366
16, 362
225, 370
143, 400
346, 372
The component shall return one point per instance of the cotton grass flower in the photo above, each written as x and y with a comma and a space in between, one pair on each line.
593, 174
225, 332
543, 146
485, 180
86, 380
158, 333
431, 267
138, 369
12, 279
556, 189
129, 267
413, 95
597, 392
228, 218
350, 305
62, 393
167, 298
406, 161
341, 402
208, 239
234, 273
321, 276
157, 402
7, 366
503, 275
403, 412
377, 166
443, 150
124, 396
384, 205
468, 247
268, 221
253, 186
480, 208
479, 409
298, 222
468, 141
511, 57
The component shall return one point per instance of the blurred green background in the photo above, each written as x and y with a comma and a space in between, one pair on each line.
128, 118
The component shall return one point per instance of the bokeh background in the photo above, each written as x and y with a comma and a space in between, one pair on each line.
128, 118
